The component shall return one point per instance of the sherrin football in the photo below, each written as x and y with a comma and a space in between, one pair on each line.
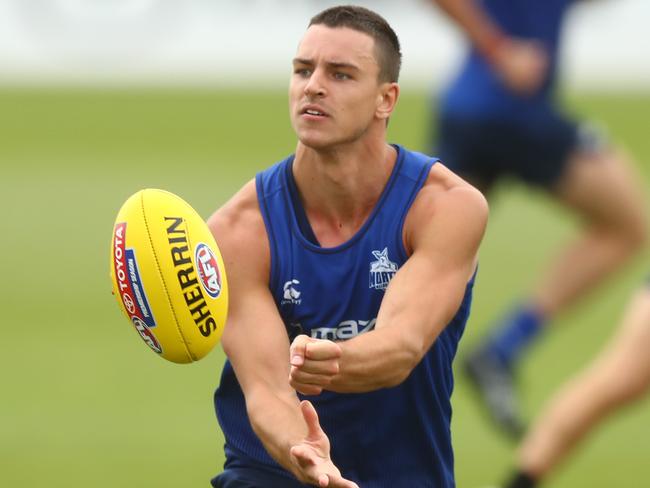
168, 275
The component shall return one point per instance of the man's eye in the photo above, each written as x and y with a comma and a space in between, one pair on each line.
304, 72
341, 76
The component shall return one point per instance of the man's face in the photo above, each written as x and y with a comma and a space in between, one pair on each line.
334, 90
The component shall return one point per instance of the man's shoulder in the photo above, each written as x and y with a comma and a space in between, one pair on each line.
241, 205
442, 184
239, 223
447, 198
416, 160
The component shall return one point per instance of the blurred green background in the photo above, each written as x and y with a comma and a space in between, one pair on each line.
84, 401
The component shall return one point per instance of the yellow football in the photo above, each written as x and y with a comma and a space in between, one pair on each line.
168, 275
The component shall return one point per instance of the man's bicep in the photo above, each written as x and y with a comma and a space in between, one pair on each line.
450, 243
450, 239
429, 288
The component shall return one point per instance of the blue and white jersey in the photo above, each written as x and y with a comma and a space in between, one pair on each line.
392, 437
477, 91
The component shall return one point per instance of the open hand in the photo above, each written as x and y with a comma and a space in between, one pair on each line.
311, 457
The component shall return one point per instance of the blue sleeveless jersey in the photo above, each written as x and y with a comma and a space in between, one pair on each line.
389, 438
477, 91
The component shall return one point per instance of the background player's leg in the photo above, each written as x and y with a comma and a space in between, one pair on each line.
618, 376
601, 189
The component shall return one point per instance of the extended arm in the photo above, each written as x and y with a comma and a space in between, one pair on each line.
443, 229
521, 64
257, 345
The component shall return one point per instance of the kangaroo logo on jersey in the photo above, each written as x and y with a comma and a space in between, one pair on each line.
290, 293
382, 270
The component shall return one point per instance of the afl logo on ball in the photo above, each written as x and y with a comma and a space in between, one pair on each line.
146, 334
208, 270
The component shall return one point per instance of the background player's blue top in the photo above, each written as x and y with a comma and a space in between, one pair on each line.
477, 91
389, 438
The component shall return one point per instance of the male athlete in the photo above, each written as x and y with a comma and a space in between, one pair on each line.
350, 267
498, 119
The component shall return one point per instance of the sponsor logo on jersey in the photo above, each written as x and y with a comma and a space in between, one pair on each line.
208, 270
187, 276
290, 294
131, 289
382, 270
344, 331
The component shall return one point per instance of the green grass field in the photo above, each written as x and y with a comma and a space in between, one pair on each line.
86, 404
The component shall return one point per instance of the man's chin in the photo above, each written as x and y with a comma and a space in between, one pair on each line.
324, 142
317, 143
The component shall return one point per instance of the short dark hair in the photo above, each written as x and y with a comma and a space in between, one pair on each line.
387, 48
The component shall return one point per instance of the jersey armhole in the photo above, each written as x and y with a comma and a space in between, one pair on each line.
422, 177
261, 200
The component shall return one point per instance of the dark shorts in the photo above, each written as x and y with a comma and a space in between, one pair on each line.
253, 478
484, 151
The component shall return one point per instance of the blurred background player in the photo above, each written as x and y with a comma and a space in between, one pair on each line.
498, 118
617, 377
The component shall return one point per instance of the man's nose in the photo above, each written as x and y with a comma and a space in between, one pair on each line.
316, 84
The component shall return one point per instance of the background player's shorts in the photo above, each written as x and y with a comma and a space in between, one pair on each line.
241, 477
535, 151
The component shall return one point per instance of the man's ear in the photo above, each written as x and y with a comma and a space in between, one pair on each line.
386, 100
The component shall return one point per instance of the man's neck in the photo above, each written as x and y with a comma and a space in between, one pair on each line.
340, 187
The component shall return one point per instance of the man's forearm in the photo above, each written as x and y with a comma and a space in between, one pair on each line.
378, 359
278, 424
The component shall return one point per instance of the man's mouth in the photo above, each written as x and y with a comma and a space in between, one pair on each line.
314, 111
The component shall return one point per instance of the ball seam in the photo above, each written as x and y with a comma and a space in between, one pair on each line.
162, 279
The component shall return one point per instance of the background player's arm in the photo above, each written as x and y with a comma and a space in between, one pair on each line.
521, 64
443, 229
478, 27
257, 345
